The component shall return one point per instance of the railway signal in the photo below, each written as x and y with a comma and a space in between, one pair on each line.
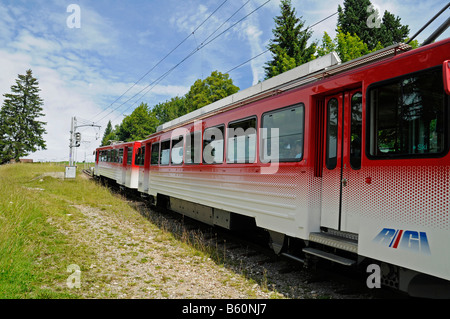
75, 141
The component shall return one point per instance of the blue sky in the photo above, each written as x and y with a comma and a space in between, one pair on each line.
96, 72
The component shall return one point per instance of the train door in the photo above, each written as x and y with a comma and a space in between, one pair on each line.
144, 170
341, 160
127, 164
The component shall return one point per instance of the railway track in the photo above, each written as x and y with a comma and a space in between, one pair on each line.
249, 254
87, 172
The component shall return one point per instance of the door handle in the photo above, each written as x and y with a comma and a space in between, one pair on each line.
344, 182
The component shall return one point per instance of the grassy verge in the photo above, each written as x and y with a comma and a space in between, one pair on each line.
34, 254
24, 236
48, 224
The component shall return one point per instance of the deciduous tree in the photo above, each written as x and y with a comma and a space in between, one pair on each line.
138, 125
203, 92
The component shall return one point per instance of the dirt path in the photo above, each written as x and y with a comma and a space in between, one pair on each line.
138, 260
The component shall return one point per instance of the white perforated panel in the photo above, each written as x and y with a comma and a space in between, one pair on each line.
411, 195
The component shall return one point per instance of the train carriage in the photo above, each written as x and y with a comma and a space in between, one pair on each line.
348, 161
119, 163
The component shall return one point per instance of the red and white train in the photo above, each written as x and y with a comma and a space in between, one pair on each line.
120, 163
348, 161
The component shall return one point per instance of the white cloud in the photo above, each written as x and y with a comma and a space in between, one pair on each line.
56, 59
26, 42
82, 71
253, 34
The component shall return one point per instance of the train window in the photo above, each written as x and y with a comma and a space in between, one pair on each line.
155, 154
408, 117
241, 141
137, 155
120, 156
213, 145
282, 134
356, 131
165, 152
140, 156
129, 155
193, 150
332, 134
142, 159
177, 150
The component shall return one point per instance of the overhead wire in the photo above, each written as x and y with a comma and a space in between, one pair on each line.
267, 50
204, 43
161, 60
198, 48
156, 82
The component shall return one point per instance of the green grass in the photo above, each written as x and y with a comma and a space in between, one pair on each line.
24, 237
40, 231
34, 254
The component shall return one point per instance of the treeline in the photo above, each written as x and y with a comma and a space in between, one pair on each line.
360, 30
144, 120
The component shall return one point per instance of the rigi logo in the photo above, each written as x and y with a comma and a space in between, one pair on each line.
404, 239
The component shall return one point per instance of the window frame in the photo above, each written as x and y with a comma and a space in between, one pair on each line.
130, 151
223, 146
226, 138
154, 144
287, 160
187, 159
182, 138
161, 153
139, 159
328, 164
351, 130
367, 125
120, 156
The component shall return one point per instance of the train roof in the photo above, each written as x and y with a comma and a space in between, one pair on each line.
314, 70
117, 144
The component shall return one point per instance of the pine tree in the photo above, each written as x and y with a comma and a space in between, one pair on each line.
290, 42
353, 18
107, 134
392, 31
358, 17
21, 132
